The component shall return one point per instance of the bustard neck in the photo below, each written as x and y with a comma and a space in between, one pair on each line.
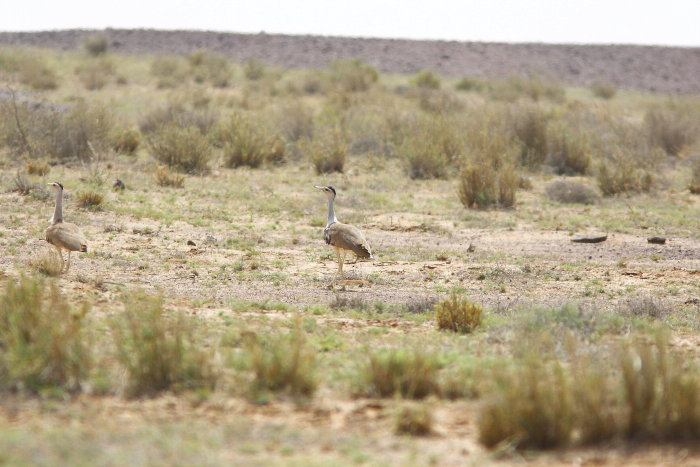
58, 211
331, 212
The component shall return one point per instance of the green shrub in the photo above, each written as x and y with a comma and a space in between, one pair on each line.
248, 142
603, 89
468, 83
530, 129
95, 73
458, 314
183, 148
481, 186
283, 364
95, 44
159, 350
673, 127
44, 342
328, 151
427, 79
254, 69
409, 373
621, 172
352, 75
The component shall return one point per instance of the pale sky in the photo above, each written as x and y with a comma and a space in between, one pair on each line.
668, 22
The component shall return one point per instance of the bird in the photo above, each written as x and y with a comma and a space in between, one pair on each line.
343, 237
64, 235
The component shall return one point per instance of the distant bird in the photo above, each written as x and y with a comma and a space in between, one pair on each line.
64, 235
342, 237
118, 185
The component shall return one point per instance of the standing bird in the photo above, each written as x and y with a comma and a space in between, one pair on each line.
342, 237
64, 235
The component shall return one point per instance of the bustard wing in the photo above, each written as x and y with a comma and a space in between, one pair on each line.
66, 236
348, 237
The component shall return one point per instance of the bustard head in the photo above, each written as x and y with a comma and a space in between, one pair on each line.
328, 190
56, 185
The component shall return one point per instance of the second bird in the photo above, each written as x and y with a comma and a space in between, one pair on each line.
64, 235
343, 237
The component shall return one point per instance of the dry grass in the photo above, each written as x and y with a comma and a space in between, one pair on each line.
427, 79
185, 149
563, 191
247, 142
164, 177
458, 314
481, 186
328, 151
622, 173
47, 262
126, 141
44, 340
157, 348
96, 44
672, 127
95, 74
89, 198
39, 168
406, 372
414, 420
603, 89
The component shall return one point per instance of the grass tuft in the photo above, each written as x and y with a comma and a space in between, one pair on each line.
414, 420
47, 262
409, 373
458, 314
183, 148
89, 198
164, 177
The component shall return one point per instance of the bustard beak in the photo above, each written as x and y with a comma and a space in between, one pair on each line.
320, 187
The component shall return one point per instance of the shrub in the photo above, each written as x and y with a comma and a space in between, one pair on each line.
47, 262
468, 83
409, 373
95, 44
694, 186
158, 350
43, 340
481, 186
353, 75
89, 198
175, 113
533, 88
430, 146
95, 73
247, 142
563, 191
36, 75
126, 141
439, 101
210, 67
166, 178
183, 148
253, 69
328, 151
40, 168
283, 364
426, 79
603, 89
168, 71
414, 421
673, 128
458, 314
622, 173
530, 129
569, 150
296, 121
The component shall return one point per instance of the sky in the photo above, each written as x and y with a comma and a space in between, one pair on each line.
651, 22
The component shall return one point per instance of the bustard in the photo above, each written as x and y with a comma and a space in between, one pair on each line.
64, 235
343, 237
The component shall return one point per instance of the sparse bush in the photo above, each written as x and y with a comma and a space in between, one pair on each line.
36, 75
458, 314
43, 340
468, 83
673, 128
569, 150
563, 191
295, 121
646, 307
694, 185
157, 349
40, 168
168, 71
164, 177
353, 75
247, 142
89, 199
95, 73
126, 141
183, 148
253, 69
414, 420
621, 173
328, 151
439, 101
409, 373
603, 89
430, 146
47, 262
95, 44
427, 79
177, 114
481, 186
530, 129
536, 89
210, 67
283, 364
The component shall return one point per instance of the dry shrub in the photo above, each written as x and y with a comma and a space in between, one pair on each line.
563, 191
164, 177
536, 89
621, 172
603, 89
431, 145
89, 199
414, 420
35, 74
482, 186
158, 349
295, 121
458, 314
352, 75
95, 44
40, 168
126, 141
439, 101
569, 149
210, 67
410, 373
47, 262
328, 151
427, 79
95, 73
282, 364
468, 83
249, 142
43, 339
176, 113
672, 127
254, 69
694, 185
530, 129
183, 148
168, 71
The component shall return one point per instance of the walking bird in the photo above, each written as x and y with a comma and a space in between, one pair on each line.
343, 237
64, 235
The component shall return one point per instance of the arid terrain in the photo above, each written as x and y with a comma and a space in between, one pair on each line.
201, 326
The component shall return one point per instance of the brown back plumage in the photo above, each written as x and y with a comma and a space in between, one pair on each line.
347, 237
67, 236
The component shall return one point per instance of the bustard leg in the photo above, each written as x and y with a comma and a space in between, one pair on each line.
60, 255
68, 266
